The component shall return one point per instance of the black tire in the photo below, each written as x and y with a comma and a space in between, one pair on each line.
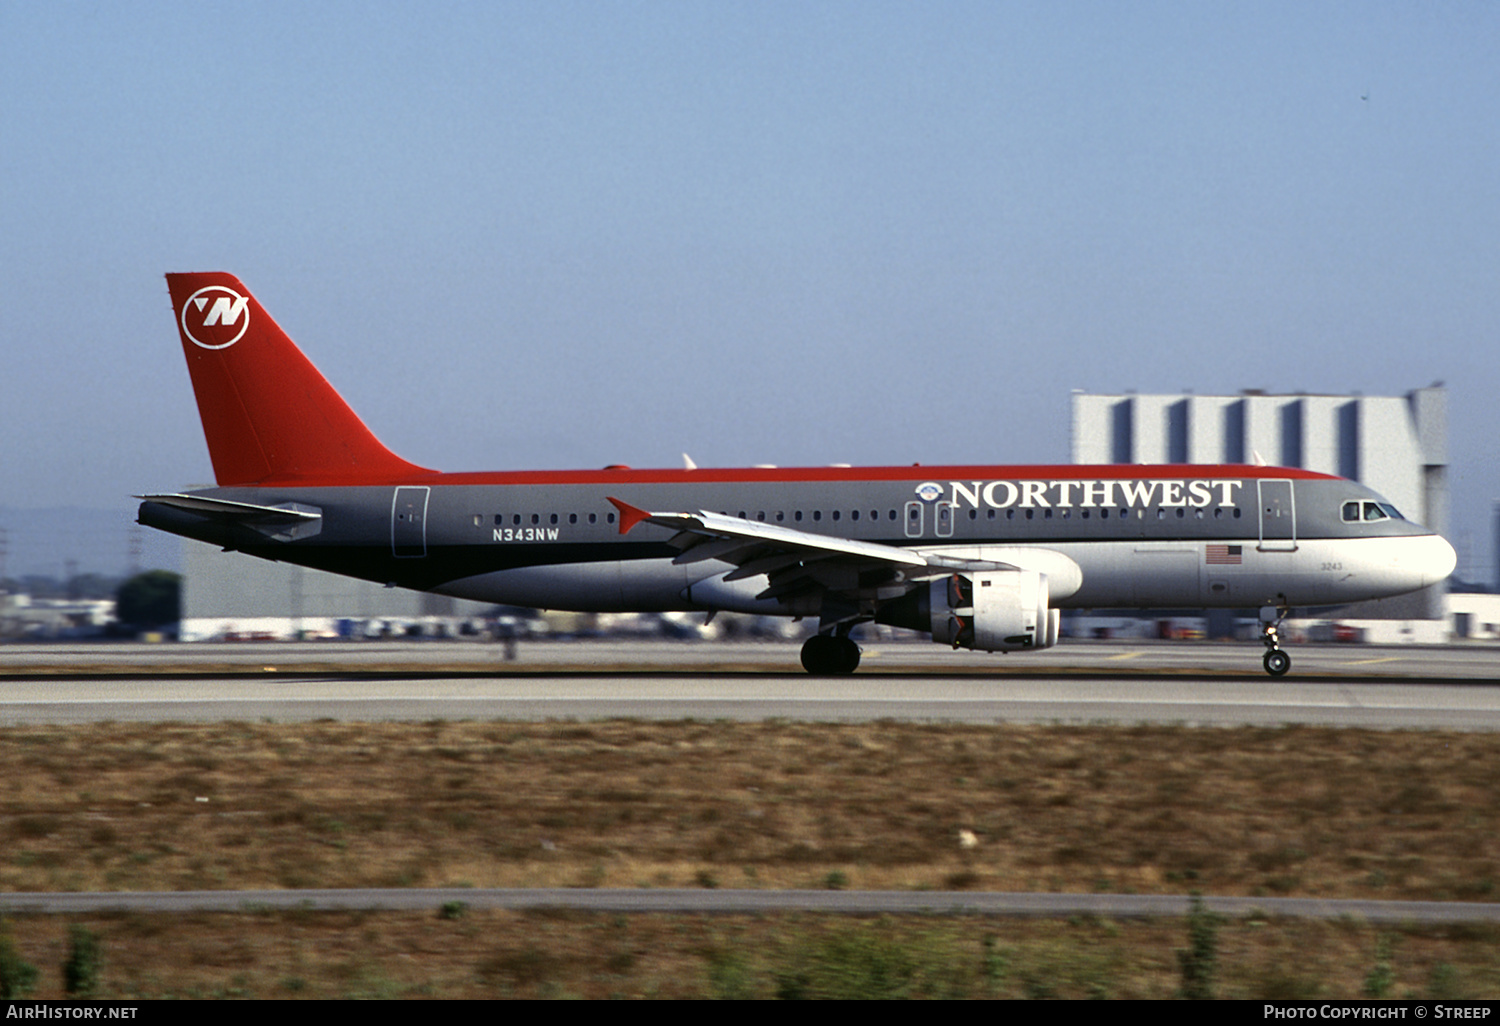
1277, 662
827, 656
848, 655
816, 654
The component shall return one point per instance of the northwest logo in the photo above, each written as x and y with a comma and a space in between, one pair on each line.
215, 317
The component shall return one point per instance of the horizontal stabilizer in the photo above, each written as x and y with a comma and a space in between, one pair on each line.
286, 522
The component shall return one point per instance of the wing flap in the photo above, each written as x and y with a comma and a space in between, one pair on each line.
714, 526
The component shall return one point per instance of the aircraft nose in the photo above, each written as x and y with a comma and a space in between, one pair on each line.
1411, 563
1438, 561
1424, 560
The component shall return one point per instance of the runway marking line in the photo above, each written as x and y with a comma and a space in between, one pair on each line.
721, 700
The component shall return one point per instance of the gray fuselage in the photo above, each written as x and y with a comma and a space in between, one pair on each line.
1110, 536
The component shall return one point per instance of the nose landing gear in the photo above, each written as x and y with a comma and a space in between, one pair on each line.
1275, 660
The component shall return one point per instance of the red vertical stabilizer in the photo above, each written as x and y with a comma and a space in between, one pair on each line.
269, 416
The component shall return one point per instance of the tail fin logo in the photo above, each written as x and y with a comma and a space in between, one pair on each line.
215, 317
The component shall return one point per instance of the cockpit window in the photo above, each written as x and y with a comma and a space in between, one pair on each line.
1355, 511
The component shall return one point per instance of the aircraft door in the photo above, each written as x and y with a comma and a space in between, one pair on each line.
409, 522
914, 519
1278, 516
942, 517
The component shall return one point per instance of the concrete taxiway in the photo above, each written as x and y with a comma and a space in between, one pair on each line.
1092, 682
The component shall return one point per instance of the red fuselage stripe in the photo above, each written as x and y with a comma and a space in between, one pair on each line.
779, 475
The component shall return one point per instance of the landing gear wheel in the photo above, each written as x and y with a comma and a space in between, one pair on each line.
829, 655
1275, 661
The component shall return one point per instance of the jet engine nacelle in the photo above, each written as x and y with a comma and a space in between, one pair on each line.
993, 611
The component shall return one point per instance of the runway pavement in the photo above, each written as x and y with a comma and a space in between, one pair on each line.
1467, 661
1115, 682
753, 902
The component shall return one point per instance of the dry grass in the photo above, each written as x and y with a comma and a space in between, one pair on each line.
1294, 811
507, 954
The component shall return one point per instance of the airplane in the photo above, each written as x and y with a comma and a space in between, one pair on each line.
978, 557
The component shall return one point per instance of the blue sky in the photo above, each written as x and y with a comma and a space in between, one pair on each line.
571, 234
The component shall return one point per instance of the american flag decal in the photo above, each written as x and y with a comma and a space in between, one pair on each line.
1222, 555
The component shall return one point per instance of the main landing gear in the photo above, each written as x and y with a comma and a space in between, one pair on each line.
1275, 660
830, 655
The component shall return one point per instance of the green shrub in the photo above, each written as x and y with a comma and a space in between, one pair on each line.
17, 976
853, 965
84, 963
1200, 962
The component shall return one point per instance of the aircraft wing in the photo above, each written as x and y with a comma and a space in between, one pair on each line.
798, 561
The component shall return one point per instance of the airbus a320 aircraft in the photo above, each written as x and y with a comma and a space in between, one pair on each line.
979, 557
